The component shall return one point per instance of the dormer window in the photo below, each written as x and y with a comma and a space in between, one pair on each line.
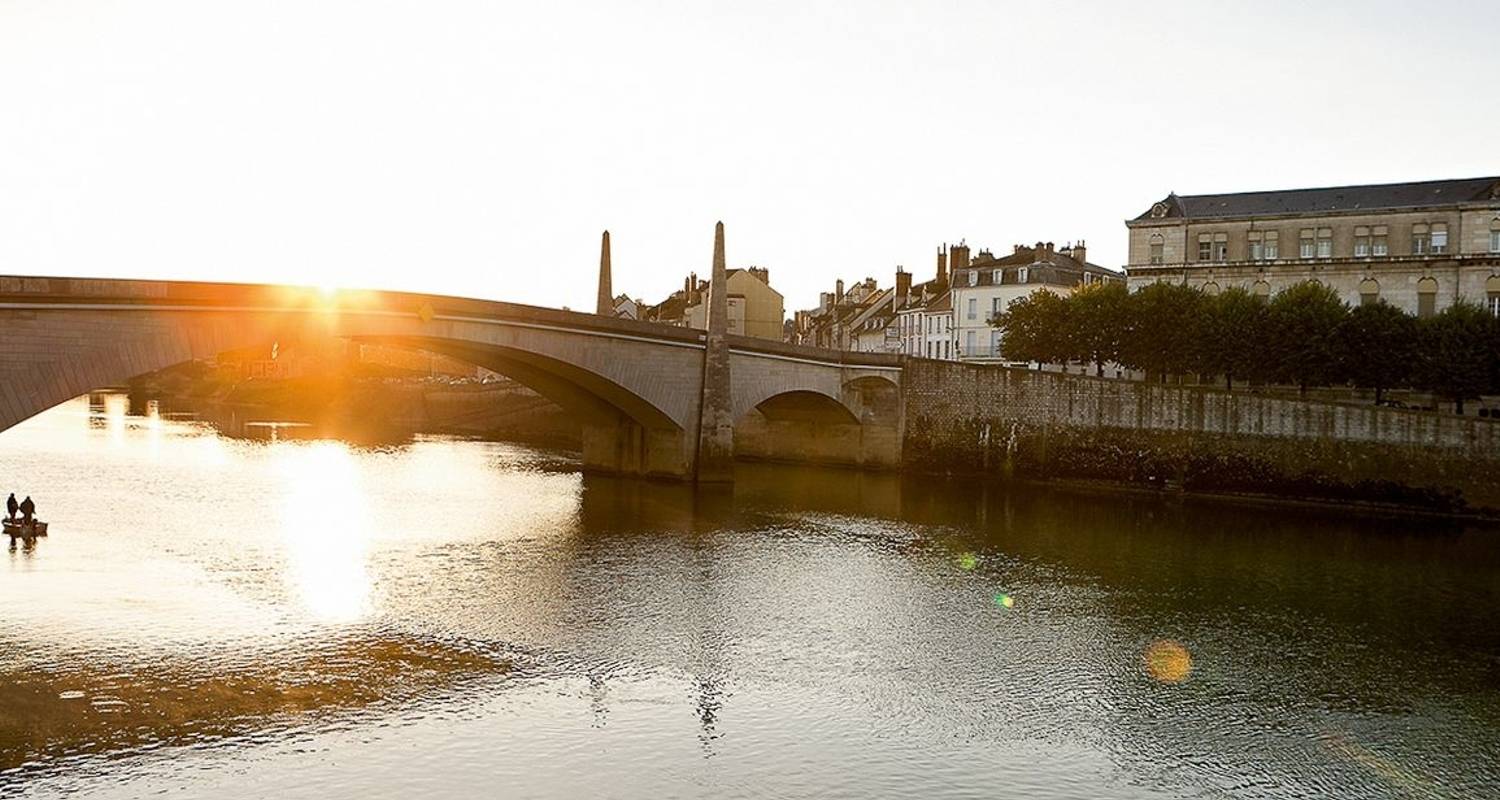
997, 276
973, 277
1021, 275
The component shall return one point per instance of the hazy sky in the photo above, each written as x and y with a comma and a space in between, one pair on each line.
479, 148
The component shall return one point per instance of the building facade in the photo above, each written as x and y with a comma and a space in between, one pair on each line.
1418, 246
755, 309
984, 285
924, 314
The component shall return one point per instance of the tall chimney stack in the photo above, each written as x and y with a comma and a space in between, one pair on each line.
606, 306
942, 264
903, 287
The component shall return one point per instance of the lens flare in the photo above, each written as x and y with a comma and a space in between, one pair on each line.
1167, 661
967, 561
1004, 600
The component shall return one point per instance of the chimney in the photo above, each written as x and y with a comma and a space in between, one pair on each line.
958, 257
687, 287
942, 264
838, 292
1080, 253
1049, 247
763, 274
903, 287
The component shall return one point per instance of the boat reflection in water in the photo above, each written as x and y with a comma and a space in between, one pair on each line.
315, 617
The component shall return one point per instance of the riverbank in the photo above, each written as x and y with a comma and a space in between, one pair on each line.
1006, 424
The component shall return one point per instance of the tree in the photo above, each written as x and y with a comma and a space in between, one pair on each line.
1099, 316
1377, 347
1162, 335
1036, 328
1458, 352
1302, 334
1234, 325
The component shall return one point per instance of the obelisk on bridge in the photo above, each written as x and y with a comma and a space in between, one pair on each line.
606, 306
715, 420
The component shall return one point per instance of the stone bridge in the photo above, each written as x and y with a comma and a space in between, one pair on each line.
639, 389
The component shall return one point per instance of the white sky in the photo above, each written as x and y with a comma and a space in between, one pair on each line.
479, 148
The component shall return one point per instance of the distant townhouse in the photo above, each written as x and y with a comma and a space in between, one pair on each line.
841, 316
924, 314
755, 309
1419, 246
983, 286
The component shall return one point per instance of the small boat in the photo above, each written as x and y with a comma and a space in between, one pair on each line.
18, 529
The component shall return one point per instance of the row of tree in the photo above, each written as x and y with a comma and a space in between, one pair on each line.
1304, 336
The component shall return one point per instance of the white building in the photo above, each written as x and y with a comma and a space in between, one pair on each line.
984, 286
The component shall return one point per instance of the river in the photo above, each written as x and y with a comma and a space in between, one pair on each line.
294, 617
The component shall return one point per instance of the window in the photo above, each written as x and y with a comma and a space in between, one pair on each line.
1419, 240
1380, 245
1213, 246
1369, 292
1495, 235
1157, 244
973, 278
1273, 245
968, 343
1492, 295
1439, 237
1426, 297
1362, 241
1021, 274
973, 307
995, 307
997, 277
1325, 243
1255, 246
994, 343
1306, 243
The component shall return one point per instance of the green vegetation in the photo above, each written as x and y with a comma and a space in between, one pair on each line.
1304, 336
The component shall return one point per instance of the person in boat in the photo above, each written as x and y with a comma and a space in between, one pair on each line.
28, 509
11, 506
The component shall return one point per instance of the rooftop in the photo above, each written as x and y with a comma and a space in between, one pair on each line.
1368, 197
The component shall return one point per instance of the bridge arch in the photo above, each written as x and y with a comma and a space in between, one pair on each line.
639, 426
637, 387
850, 423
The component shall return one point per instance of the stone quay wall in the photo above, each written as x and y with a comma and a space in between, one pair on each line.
1023, 424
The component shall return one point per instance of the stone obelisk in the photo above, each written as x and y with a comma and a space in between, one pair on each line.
715, 421
606, 294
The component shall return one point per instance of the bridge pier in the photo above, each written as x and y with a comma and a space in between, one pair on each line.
626, 448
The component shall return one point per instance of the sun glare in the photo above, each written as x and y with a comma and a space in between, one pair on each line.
326, 530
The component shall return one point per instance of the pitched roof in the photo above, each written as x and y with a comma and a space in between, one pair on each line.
1380, 196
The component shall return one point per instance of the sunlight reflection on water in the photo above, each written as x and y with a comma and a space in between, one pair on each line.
309, 618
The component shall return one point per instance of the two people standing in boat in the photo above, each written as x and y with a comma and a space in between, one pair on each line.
26, 507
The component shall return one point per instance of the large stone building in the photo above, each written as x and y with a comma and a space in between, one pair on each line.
984, 285
1419, 246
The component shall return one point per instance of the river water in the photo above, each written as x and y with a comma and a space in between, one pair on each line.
293, 617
